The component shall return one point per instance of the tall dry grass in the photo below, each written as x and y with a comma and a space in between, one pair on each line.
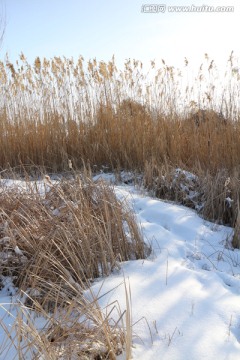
93, 112
130, 118
53, 244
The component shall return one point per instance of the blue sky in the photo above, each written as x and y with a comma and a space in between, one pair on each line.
100, 29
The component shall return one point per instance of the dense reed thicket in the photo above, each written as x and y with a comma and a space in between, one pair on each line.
61, 110
92, 112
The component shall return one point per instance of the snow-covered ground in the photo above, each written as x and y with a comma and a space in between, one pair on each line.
185, 296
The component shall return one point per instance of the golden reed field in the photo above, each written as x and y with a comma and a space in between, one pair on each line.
90, 113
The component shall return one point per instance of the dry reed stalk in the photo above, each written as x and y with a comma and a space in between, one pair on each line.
79, 331
57, 244
77, 222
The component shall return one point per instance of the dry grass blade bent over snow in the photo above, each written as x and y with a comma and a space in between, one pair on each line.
52, 246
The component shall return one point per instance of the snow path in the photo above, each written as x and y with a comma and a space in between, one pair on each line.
188, 290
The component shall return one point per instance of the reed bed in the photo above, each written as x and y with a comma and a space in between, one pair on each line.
92, 112
53, 245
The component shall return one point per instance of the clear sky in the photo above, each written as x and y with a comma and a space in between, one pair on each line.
101, 28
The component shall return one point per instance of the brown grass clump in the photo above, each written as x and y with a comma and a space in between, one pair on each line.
81, 331
167, 182
53, 245
76, 223
215, 196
